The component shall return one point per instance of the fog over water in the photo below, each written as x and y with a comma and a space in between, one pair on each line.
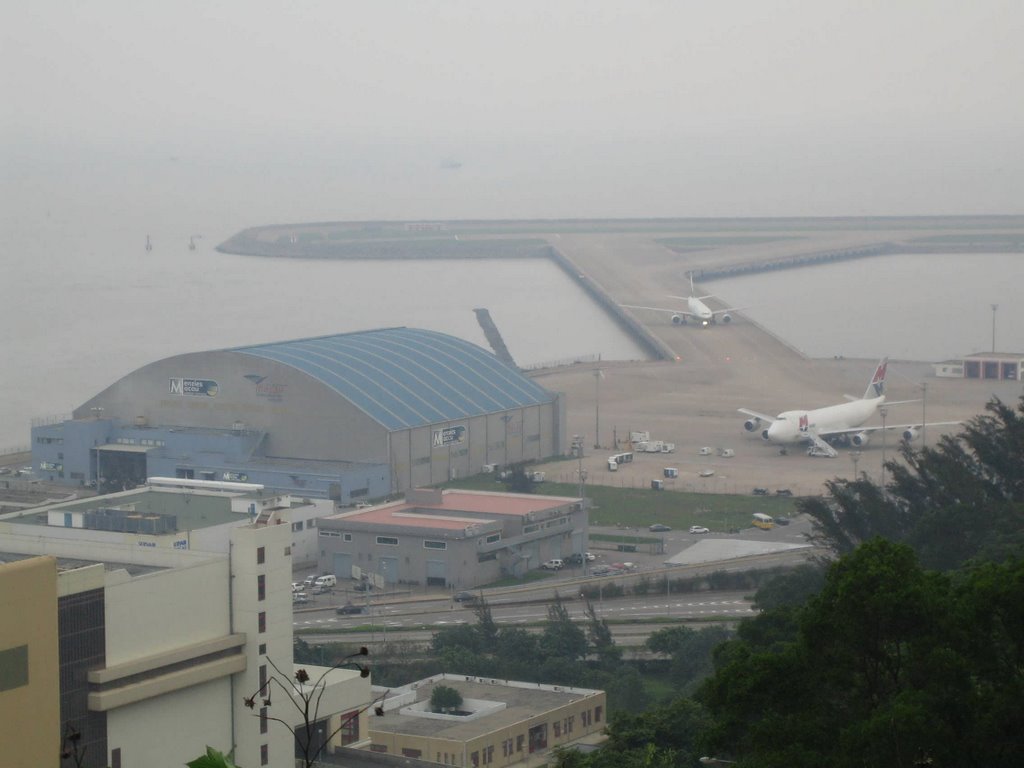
199, 118
913, 307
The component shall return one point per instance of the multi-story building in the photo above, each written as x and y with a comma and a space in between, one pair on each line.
158, 646
452, 538
499, 723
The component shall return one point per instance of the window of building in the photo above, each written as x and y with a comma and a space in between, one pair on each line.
115, 757
261, 586
409, 752
507, 747
586, 717
557, 728
261, 555
263, 649
570, 724
357, 492
349, 730
264, 754
597, 714
538, 737
287, 551
378, 747
474, 759
435, 544
391, 541
494, 537
263, 719
263, 677
296, 527
347, 537
520, 740
488, 754
263, 621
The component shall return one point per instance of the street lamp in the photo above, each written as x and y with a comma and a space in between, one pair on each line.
994, 308
855, 457
598, 375
924, 414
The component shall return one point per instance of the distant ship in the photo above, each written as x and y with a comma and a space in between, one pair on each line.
451, 165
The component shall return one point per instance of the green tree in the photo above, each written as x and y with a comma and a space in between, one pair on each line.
959, 500
444, 698
562, 638
600, 635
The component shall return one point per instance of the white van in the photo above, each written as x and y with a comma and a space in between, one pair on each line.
325, 582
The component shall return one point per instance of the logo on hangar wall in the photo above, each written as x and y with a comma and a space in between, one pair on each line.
442, 438
193, 387
265, 388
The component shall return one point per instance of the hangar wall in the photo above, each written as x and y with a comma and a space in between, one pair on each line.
303, 418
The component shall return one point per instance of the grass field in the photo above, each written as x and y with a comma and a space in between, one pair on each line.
629, 508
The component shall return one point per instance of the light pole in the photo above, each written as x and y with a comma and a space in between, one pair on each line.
994, 308
598, 375
855, 457
924, 414
883, 411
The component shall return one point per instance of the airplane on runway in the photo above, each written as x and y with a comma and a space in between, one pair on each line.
696, 310
840, 424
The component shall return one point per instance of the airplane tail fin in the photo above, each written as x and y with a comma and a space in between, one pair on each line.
876, 387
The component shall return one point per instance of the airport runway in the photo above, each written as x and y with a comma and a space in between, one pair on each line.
693, 402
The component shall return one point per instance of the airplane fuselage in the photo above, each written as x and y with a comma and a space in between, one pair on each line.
792, 426
699, 310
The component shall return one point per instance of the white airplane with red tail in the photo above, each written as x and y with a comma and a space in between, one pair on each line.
835, 424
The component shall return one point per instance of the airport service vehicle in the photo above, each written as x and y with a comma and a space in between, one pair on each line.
658, 528
705, 451
706, 472
553, 565
326, 581
696, 310
840, 423
699, 529
763, 521
348, 609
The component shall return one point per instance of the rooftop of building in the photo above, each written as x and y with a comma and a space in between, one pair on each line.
192, 509
72, 563
522, 701
451, 509
408, 377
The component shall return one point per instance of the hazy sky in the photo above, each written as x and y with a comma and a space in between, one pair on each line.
682, 108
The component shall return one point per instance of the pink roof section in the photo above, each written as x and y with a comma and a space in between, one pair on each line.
454, 502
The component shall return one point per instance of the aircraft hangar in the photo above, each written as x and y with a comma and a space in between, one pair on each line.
347, 416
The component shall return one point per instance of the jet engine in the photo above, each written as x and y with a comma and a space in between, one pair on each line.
726, 318
678, 320
752, 424
909, 434
861, 439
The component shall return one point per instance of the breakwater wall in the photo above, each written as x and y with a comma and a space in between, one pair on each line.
796, 261
650, 343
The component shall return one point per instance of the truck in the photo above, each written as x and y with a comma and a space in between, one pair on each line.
655, 446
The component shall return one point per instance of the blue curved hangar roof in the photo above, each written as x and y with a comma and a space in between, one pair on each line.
407, 377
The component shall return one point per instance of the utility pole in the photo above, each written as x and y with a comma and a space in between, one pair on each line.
598, 375
994, 308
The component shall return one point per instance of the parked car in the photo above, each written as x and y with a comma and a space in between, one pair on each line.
296, 586
760, 491
658, 528
465, 597
299, 598
362, 586
601, 570
326, 581
780, 520
576, 558
308, 581
783, 492
590, 558
348, 609
698, 529
553, 565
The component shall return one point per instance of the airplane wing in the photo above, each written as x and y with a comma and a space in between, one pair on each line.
659, 309
756, 415
887, 427
728, 309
